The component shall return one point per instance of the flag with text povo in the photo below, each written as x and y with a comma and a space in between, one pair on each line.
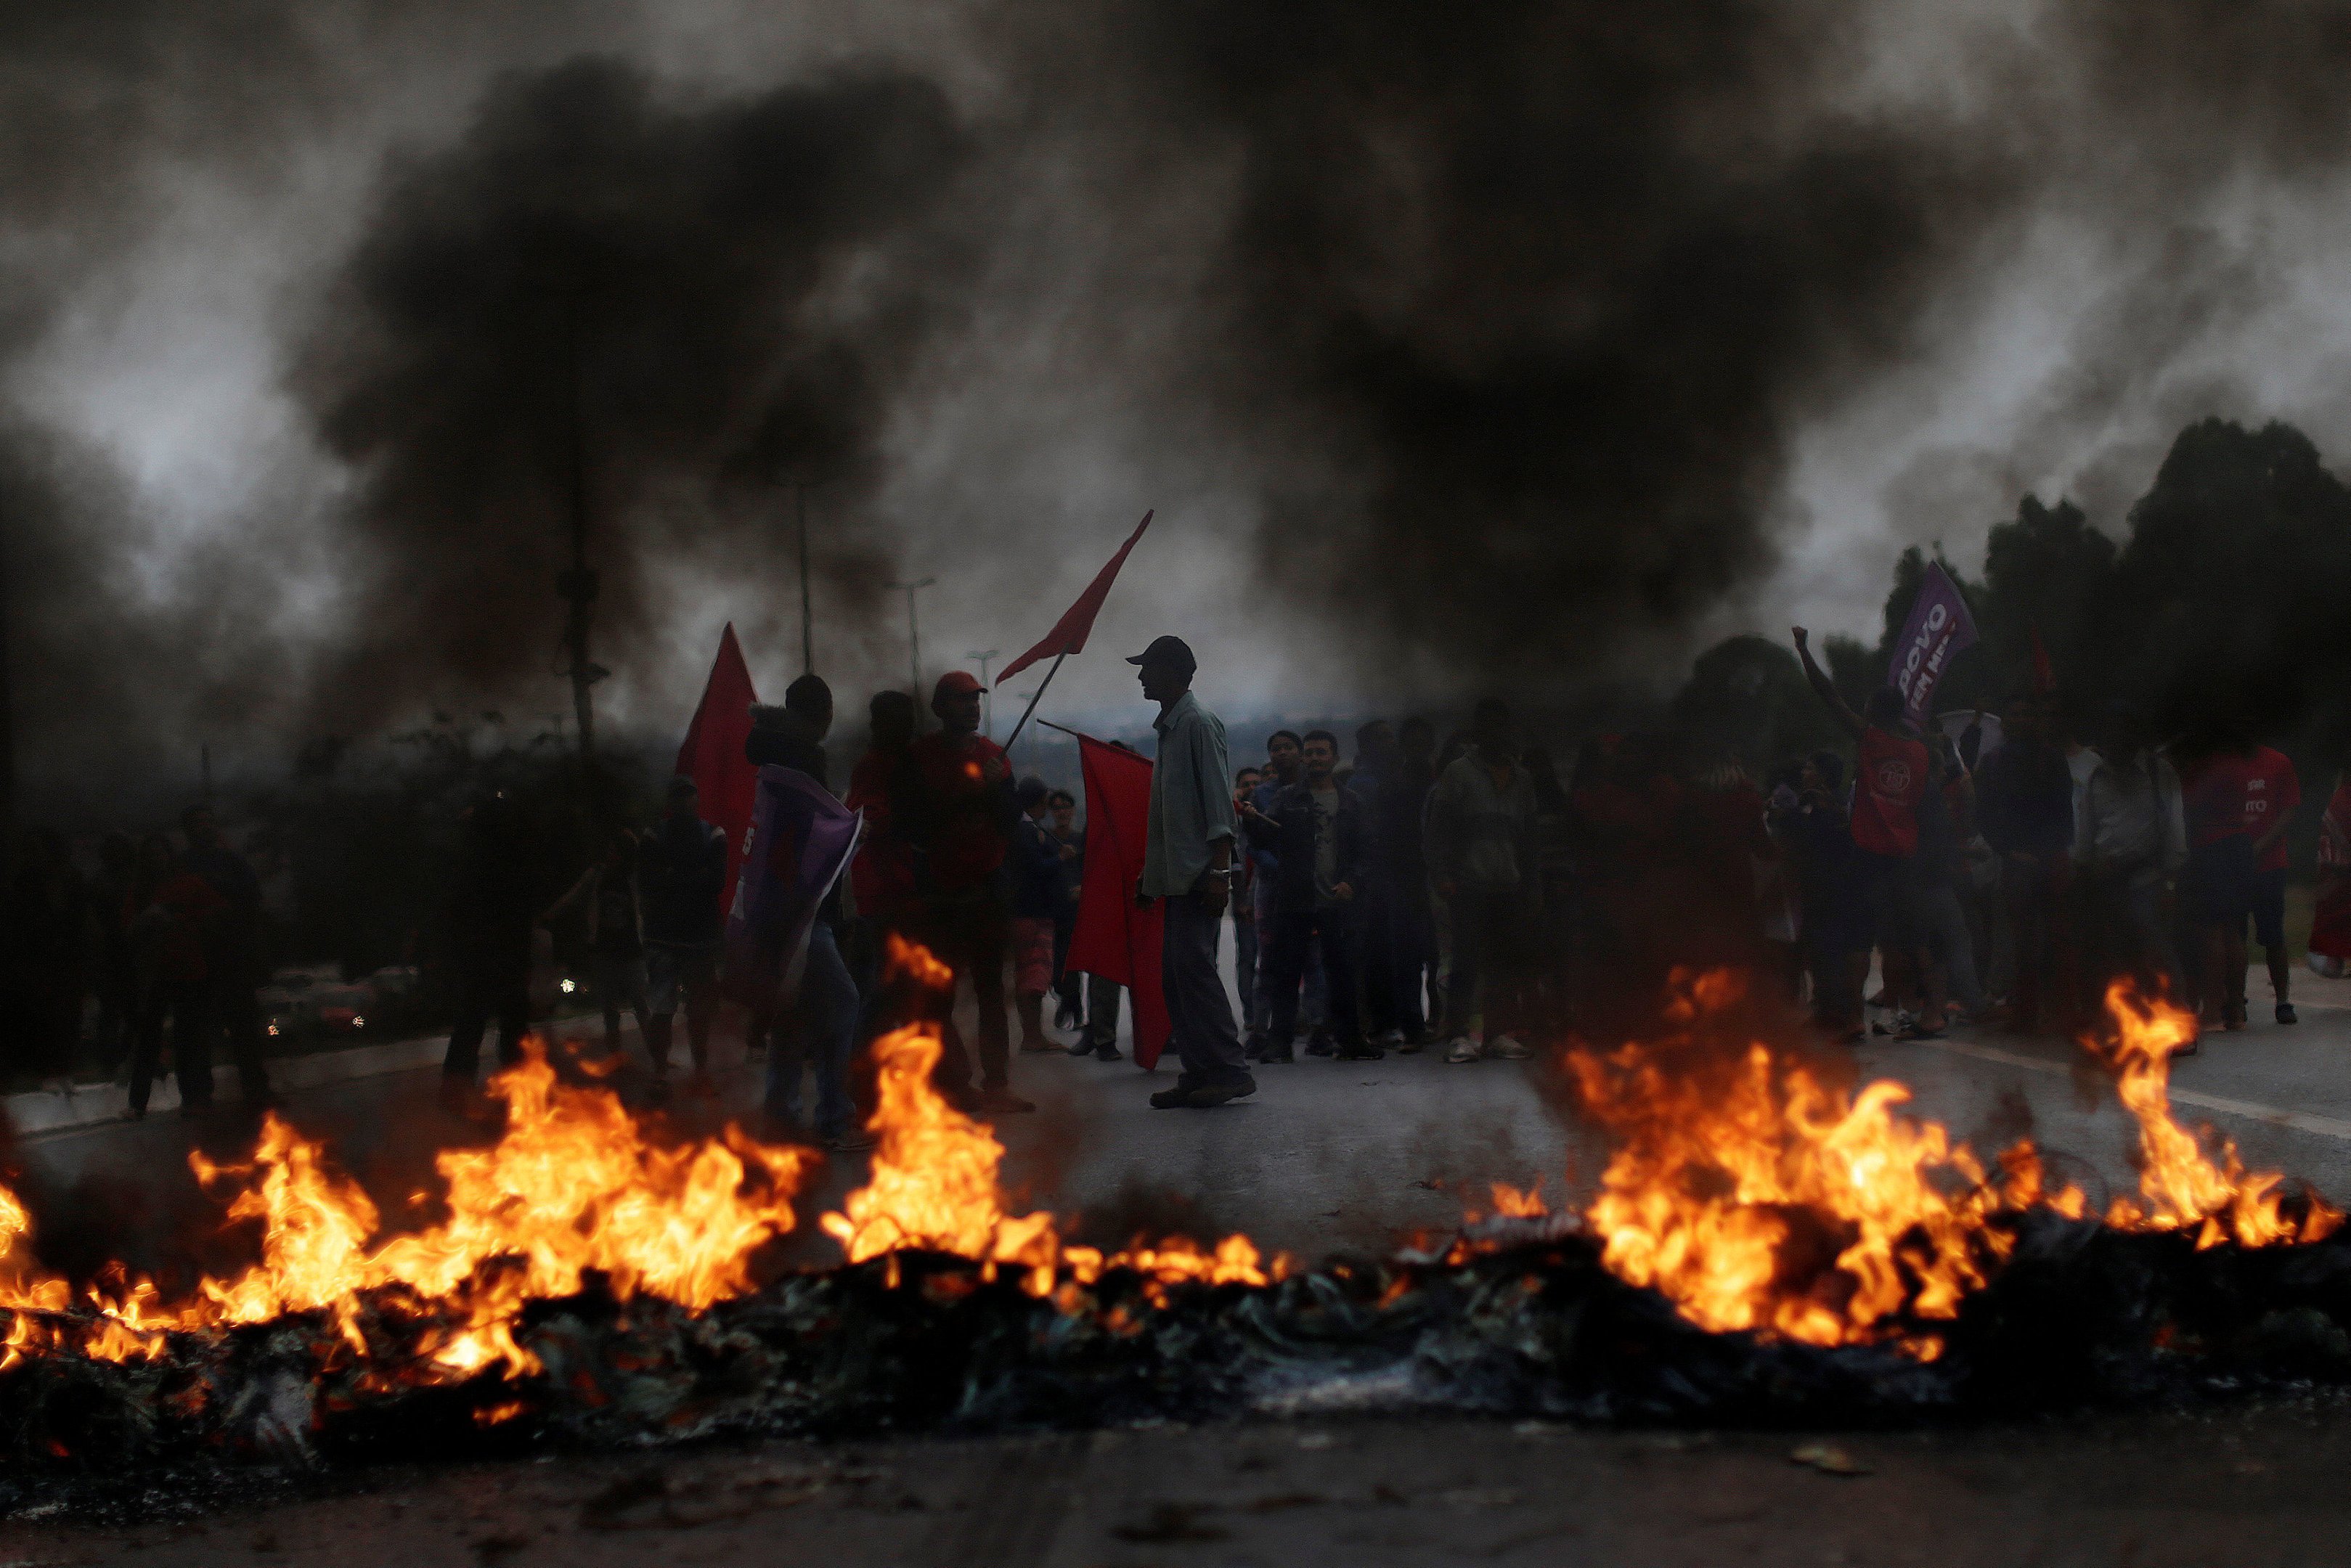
1940, 627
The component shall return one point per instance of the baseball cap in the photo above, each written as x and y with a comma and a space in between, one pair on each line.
956, 683
1171, 652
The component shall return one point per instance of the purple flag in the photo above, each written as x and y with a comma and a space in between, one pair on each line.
1939, 627
798, 842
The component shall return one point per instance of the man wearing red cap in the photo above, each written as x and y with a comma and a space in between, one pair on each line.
963, 815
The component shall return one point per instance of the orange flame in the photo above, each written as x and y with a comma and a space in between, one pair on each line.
935, 1182
1756, 1196
2183, 1186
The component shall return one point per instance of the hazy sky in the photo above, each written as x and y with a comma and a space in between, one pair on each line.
2120, 254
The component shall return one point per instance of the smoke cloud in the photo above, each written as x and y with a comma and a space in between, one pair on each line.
1516, 344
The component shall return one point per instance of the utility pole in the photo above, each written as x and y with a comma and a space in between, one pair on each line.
915, 645
808, 618
575, 585
987, 701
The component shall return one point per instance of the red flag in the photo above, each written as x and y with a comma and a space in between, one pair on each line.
1117, 938
2045, 677
713, 753
1068, 634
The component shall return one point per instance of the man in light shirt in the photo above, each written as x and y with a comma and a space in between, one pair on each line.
1187, 864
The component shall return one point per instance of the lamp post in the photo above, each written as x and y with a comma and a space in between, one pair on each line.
914, 645
987, 701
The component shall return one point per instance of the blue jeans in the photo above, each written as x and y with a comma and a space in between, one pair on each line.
819, 1031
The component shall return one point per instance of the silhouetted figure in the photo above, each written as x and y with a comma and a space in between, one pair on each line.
488, 927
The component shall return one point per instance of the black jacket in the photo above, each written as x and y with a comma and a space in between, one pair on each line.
1289, 839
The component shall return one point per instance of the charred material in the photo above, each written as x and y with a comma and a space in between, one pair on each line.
2082, 1315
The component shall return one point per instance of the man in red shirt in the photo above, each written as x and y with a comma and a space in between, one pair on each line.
2254, 792
1890, 779
961, 815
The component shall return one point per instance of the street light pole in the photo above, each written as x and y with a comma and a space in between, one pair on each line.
987, 702
915, 645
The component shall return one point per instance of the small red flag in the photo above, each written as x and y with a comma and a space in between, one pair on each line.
1070, 633
1115, 937
713, 753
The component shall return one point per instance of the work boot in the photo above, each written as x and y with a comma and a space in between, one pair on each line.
1208, 1096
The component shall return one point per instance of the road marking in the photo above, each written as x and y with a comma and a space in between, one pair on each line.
2296, 1120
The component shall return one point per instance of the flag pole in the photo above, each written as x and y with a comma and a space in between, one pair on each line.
1035, 699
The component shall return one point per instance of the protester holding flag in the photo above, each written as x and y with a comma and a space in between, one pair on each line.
816, 1025
962, 818
1188, 867
1891, 780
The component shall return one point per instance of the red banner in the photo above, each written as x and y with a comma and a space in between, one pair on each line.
1117, 938
1077, 623
713, 753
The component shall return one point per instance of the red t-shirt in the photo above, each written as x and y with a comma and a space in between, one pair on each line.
1888, 785
883, 874
963, 779
2242, 795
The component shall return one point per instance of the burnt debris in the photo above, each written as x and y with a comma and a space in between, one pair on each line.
2082, 1316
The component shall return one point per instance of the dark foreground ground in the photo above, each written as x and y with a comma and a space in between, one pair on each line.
2242, 1485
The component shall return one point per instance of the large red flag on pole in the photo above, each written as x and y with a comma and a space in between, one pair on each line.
713, 753
1070, 633
1117, 938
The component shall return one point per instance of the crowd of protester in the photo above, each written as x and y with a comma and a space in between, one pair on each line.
150, 966
1475, 897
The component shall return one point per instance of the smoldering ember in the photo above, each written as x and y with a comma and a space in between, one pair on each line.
1103, 783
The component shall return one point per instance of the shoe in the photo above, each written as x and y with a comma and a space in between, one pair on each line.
2192, 1045
1065, 1018
2285, 1013
1361, 1050
1321, 1045
850, 1143
1084, 1047
1109, 1053
1913, 1029
1176, 1098
1208, 1096
1272, 1056
1509, 1049
1003, 1101
1463, 1048
1414, 1043
1253, 1046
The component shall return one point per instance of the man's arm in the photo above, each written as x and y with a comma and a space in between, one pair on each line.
1825, 688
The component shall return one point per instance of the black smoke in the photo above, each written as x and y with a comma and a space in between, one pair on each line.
670, 312
1502, 325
